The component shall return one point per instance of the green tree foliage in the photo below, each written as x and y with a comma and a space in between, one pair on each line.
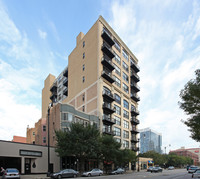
168, 160
190, 103
79, 141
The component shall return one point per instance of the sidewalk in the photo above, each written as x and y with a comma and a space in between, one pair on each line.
38, 176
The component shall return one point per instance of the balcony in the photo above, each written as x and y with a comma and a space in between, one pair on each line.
107, 63
108, 95
107, 50
53, 97
135, 97
65, 91
135, 149
107, 131
134, 139
135, 87
135, 77
65, 82
134, 121
134, 130
53, 88
135, 67
134, 112
107, 75
107, 37
108, 108
65, 73
108, 120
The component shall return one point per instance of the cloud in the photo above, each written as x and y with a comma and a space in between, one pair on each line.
168, 51
42, 34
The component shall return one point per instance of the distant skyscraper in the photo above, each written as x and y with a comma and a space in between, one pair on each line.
150, 140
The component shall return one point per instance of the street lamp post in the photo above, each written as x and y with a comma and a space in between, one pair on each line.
48, 145
138, 157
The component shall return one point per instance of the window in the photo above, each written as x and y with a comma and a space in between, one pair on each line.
125, 77
125, 144
125, 54
65, 116
117, 98
117, 120
117, 59
33, 133
126, 104
125, 88
117, 131
126, 114
125, 66
118, 140
117, 109
117, 45
44, 140
125, 134
83, 79
83, 44
70, 117
117, 70
44, 128
126, 124
83, 55
83, 97
83, 67
117, 81
83, 109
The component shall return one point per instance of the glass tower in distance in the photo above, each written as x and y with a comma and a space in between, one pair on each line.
150, 140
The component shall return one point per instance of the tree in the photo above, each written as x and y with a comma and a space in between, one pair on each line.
81, 142
109, 150
190, 103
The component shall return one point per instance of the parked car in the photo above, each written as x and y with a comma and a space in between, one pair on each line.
65, 173
117, 171
196, 174
170, 168
192, 169
11, 173
93, 172
156, 169
150, 169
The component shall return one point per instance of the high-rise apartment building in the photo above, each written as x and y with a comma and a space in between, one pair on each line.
100, 79
150, 140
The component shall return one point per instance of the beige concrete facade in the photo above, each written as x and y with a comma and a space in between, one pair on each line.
46, 94
87, 79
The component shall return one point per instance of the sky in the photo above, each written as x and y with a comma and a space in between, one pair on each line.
36, 38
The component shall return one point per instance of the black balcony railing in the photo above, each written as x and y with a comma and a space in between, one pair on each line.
135, 67
134, 112
108, 95
135, 149
107, 50
135, 77
135, 87
108, 131
65, 73
135, 97
108, 120
107, 75
134, 120
134, 130
134, 139
53, 88
107, 63
108, 108
107, 37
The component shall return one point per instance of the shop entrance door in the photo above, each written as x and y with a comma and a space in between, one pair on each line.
27, 166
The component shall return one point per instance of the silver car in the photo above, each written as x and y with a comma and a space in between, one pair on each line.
196, 174
93, 172
11, 173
